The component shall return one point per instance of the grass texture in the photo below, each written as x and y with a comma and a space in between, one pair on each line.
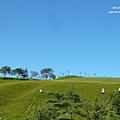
19, 97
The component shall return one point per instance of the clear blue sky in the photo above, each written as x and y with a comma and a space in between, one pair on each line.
65, 35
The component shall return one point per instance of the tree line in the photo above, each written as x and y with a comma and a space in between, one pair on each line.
23, 73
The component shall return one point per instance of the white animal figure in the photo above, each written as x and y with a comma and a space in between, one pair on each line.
103, 90
41, 91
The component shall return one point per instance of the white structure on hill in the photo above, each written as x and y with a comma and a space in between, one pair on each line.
103, 90
41, 91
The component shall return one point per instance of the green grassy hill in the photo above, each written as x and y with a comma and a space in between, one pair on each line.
19, 97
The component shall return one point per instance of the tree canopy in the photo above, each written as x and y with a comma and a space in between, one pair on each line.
23, 73
5, 70
46, 73
18, 72
34, 74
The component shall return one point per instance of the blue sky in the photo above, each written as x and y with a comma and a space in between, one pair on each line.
65, 35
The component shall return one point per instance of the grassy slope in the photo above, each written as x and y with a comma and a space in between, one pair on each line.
17, 98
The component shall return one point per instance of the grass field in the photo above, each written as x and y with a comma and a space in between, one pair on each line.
19, 97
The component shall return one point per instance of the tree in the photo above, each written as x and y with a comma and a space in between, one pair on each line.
85, 74
53, 76
68, 72
61, 104
34, 74
25, 73
46, 73
115, 100
80, 73
95, 74
18, 72
5, 70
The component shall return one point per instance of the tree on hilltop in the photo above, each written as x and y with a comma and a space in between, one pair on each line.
34, 74
25, 73
18, 72
53, 76
5, 70
46, 73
